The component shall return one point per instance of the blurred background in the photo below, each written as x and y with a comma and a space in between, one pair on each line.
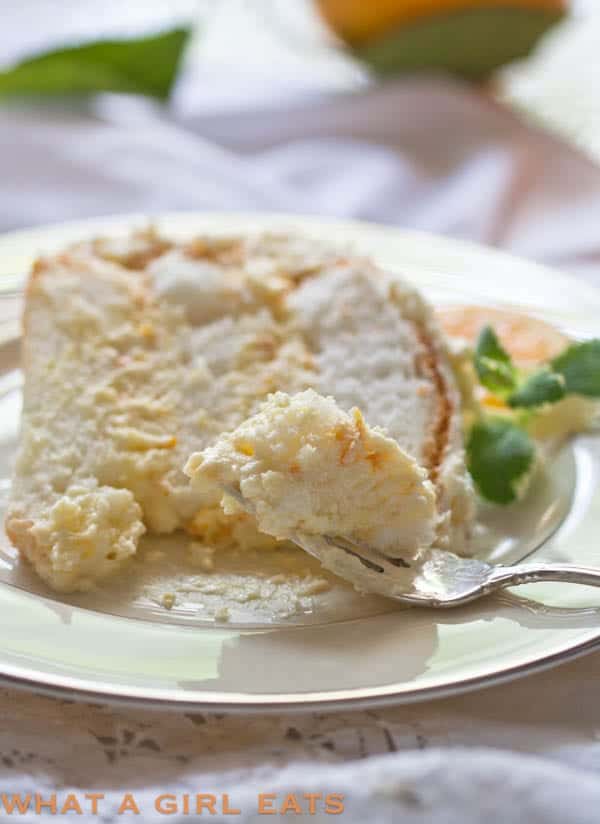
478, 119
475, 119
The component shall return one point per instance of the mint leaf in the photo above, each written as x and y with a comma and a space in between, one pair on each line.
579, 365
493, 364
146, 65
471, 43
541, 387
499, 455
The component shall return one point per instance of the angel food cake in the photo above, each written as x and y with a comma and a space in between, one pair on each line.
140, 353
302, 464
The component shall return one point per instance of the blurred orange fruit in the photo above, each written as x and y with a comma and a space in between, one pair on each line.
359, 21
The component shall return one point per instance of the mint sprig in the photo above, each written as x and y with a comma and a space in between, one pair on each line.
540, 388
500, 452
579, 366
493, 364
499, 456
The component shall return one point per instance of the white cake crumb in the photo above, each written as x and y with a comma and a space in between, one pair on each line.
244, 596
168, 600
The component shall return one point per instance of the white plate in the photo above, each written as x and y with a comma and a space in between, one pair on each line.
336, 648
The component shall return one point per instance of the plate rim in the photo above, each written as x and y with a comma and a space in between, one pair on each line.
61, 686
373, 697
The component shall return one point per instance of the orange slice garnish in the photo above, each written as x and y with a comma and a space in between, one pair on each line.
530, 341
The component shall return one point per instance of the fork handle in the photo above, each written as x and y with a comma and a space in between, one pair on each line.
511, 576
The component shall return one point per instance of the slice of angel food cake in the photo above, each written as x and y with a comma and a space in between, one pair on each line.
141, 352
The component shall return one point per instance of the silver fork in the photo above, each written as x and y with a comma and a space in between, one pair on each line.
435, 578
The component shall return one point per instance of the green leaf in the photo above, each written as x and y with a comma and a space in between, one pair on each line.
471, 43
579, 365
493, 364
541, 387
499, 456
145, 66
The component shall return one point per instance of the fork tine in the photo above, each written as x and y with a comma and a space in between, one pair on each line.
336, 542
360, 547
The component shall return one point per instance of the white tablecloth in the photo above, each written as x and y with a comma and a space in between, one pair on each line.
523, 752
431, 155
